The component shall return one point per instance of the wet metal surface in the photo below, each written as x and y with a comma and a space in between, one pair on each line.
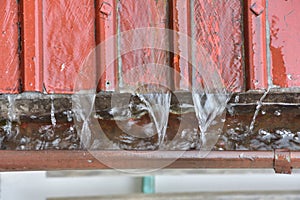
41, 123
46, 123
54, 160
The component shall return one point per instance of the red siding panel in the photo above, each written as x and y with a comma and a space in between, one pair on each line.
283, 18
181, 24
218, 29
69, 37
106, 29
142, 14
9, 59
32, 47
255, 47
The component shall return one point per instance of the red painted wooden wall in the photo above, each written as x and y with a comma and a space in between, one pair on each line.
56, 36
284, 27
272, 39
9, 45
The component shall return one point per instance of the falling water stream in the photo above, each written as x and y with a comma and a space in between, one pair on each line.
210, 111
83, 105
11, 118
52, 114
257, 110
209, 93
158, 107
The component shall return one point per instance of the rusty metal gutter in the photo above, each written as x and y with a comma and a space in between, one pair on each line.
68, 154
64, 160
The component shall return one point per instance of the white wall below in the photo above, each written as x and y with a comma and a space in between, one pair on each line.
37, 186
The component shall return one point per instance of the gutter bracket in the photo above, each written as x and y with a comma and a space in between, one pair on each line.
282, 161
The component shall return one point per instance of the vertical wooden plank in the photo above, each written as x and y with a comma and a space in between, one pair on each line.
283, 18
181, 24
9, 59
106, 30
255, 44
217, 27
32, 47
143, 65
68, 38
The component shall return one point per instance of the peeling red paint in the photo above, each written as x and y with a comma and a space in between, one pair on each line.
56, 43
9, 59
279, 71
284, 27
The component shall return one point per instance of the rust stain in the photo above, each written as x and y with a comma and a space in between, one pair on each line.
64, 160
282, 161
279, 72
279, 69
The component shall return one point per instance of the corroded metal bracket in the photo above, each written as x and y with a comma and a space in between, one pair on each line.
282, 161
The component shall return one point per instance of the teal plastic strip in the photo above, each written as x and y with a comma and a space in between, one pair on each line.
148, 185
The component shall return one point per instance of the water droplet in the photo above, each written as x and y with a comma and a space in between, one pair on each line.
237, 99
62, 67
69, 114
277, 113
230, 110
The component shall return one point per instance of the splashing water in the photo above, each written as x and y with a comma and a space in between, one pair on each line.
158, 106
12, 117
210, 98
83, 104
258, 108
11, 108
52, 114
209, 108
